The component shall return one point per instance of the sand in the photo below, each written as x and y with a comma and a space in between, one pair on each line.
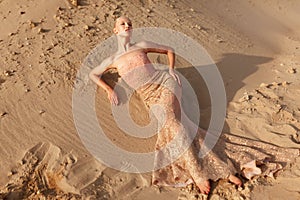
255, 45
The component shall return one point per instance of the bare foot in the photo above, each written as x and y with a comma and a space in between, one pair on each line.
204, 187
235, 180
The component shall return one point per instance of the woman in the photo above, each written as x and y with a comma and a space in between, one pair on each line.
164, 88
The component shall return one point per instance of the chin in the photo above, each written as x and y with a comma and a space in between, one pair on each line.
125, 33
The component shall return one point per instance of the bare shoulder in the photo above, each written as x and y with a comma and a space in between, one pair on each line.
149, 46
145, 44
106, 64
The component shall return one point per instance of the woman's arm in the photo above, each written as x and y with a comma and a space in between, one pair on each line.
150, 47
95, 76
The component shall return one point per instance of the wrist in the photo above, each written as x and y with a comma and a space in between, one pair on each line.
108, 90
171, 70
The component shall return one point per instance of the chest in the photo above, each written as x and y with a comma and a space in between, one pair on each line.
131, 60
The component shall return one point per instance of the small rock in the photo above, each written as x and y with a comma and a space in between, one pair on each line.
275, 83
22, 12
219, 40
285, 83
240, 189
32, 24
86, 27
296, 138
41, 30
67, 24
281, 64
246, 97
27, 90
198, 27
9, 73
12, 172
148, 10
292, 71
172, 6
3, 114
190, 187
264, 85
41, 83
42, 112
74, 2
59, 8
192, 9
115, 7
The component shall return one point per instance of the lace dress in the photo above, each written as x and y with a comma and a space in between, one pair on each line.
231, 154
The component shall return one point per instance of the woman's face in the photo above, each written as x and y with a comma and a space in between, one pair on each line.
123, 25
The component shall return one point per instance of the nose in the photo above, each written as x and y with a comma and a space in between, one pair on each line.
127, 25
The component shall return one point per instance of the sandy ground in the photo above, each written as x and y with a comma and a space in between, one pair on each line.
255, 45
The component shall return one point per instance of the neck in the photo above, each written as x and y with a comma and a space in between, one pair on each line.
123, 43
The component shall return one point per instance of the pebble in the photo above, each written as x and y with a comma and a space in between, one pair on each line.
190, 187
42, 112
67, 24
220, 40
86, 27
41, 30
264, 85
3, 114
198, 26
246, 97
32, 24
285, 83
192, 9
292, 71
275, 83
74, 2
9, 73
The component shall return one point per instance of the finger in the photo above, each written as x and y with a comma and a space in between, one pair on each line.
175, 77
115, 99
112, 101
178, 80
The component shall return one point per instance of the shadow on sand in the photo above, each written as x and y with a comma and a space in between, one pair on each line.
234, 69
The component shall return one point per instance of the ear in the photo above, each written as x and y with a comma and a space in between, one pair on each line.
115, 31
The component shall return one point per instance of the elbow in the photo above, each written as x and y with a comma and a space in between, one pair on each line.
171, 50
91, 75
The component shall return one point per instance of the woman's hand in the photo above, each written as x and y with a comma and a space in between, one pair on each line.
112, 96
175, 76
